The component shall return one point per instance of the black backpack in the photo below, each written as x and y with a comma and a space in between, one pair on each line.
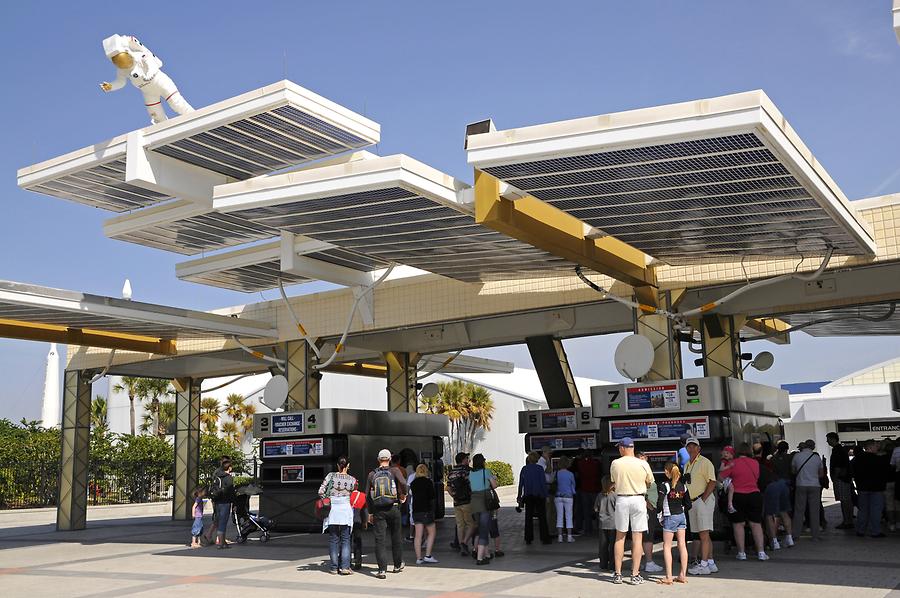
384, 489
461, 489
217, 489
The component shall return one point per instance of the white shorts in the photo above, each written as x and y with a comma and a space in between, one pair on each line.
631, 511
702, 513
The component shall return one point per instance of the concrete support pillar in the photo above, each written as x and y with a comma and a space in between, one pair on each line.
722, 345
187, 446
552, 366
71, 506
401, 381
661, 332
303, 380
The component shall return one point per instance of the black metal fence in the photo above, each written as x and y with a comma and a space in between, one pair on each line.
35, 484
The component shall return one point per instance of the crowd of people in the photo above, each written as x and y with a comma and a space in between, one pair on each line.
770, 492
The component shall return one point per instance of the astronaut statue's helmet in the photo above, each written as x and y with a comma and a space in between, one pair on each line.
123, 60
116, 49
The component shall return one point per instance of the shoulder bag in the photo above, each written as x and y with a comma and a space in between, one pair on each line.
491, 500
323, 504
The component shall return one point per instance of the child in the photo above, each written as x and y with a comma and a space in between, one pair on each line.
605, 507
672, 504
199, 494
725, 477
565, 498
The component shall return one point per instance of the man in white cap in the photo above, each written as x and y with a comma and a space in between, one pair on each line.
700, 479
631, 477
134, 62
385, 490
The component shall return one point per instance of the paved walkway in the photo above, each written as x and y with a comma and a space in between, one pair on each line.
125, 554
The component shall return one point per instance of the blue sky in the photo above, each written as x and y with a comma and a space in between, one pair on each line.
424, 70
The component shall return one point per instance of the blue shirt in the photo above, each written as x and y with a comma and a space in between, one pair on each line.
480, 480
565, 483
683, 458
532, 481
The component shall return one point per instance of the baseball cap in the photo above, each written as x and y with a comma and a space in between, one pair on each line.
627, 442
727, 448
384, 455
460, 457
692, 440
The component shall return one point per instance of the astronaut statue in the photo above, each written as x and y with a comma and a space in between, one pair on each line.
139, 65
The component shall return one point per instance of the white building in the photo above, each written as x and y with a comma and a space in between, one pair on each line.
857, 407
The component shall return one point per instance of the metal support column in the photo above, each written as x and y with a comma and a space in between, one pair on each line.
303, 379
401, 381
71, 505
552, 367
662, 334
187, 446
722, 345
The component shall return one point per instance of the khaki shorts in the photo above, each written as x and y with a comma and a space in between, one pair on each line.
702, 513
464, 523
631, 512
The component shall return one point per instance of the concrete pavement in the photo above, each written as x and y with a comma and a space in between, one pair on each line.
137, 551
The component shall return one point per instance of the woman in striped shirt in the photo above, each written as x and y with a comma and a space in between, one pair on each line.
337, 486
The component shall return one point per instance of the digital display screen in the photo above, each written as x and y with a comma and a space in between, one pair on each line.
566, 442
301, 447
558, 420
292, 474
645, 398
287, 424
659, 429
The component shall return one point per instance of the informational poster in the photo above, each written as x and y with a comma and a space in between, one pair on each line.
287, 424
657, 459
563, 419
659, 429
645, 398
292, 474
299, 447
564, 442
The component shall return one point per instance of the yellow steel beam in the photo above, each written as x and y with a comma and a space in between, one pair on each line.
359, 369
537, 223
31, 331
778, 328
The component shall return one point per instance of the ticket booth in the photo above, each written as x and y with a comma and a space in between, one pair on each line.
567, 431
717, 411
298, 449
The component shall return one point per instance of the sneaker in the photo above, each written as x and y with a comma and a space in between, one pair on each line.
345, 572
399, 568
420, 561
381, 575
699, 570
775, 544
559, 538
762, 556
741, 556
652, 567
617, 578
570, 539
499, 553
482, 562
712, 567
637, 580
789, 541
430, 559
464, 552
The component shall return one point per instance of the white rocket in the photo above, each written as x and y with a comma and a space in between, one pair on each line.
50, 407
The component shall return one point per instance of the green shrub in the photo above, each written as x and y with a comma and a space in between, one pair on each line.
503, 471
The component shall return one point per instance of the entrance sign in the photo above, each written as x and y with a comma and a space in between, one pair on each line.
292, 474
645, 398
659, 429
300, 447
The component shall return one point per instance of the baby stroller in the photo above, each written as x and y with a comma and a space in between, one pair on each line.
245, 521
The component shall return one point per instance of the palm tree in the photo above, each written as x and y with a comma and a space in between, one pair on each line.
167, 415
234, 407
230, 430
468, 407
129, 385
153, 388
249, 410
480, 411
209, 414
98, 412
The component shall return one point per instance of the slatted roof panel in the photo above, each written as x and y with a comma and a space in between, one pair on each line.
35, 304
718, 179
265, 130
392, 209
878, 319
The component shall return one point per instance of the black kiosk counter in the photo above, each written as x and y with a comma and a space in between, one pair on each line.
567, 431
298, 449
717, 411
